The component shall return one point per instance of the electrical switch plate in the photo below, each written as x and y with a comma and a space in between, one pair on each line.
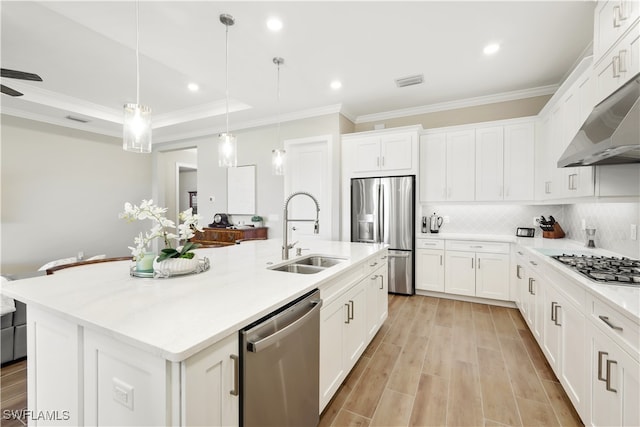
123, 393
446, 219
212, 199
583, 224
535, 221
634, 232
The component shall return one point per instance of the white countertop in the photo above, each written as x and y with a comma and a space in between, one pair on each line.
625, 298
177, 317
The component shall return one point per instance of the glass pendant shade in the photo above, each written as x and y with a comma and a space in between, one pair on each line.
227, 151
137, 128
278, 161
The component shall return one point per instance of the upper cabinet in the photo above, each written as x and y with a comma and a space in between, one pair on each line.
387, 152
611, 21
492, 161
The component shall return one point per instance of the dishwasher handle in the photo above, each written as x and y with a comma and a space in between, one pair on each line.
261, 344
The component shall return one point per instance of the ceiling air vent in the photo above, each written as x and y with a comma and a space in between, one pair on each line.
410, 81
77, 119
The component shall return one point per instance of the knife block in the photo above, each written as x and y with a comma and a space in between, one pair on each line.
556, 233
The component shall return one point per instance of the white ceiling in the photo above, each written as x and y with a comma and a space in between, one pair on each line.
85, 53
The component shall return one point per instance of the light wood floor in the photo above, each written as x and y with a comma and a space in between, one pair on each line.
438, 362
13, 392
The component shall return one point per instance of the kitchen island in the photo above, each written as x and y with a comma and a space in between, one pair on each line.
108, 348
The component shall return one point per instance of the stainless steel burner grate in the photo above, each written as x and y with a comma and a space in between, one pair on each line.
619, 271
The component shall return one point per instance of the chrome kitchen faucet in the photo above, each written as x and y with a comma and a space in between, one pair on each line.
285, 226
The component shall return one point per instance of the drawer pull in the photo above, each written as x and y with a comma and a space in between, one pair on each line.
440, 259
520, 253
236, 375
608, 381
555, 310
373, 265
518, 271
352, 311
476, 247
600, 354
381, 282
374, 277
617, 15
348, 313
606, 320
533, 263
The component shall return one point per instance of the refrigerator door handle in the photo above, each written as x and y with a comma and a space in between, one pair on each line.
381, 215
403, 255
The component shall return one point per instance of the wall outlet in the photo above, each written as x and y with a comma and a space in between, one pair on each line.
123, 393
535, 221
634, 232
583, 224
212, 199
446, 219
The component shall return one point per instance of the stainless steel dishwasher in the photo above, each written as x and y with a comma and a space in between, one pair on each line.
280, 366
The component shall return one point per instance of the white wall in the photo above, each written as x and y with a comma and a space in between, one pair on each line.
62, 191
166, 177
254, 148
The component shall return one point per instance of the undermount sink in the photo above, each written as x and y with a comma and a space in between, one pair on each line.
309, 265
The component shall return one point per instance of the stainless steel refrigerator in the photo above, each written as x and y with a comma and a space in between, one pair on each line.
382, 211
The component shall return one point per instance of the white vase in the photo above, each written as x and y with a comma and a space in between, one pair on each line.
175, 266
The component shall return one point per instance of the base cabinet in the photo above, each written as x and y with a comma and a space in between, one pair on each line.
210, 385
430, 270
615, 382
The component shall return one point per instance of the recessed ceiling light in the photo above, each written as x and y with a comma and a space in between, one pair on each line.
193, 87
274, 24
336, 84
491, 48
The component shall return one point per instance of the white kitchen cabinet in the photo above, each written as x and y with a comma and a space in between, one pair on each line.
433, 167
612, 19
460, 273
490, 163
614, 377
519, 281
332, 349
564, 342
383, 152
430, 269
448, 166
377, 297
477, 269
355, 304
519, 152
210, 384
534, 297
619, 64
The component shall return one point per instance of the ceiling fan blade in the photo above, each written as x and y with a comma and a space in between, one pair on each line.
9, 91
13, 74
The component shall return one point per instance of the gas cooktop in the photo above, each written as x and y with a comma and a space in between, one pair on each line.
611, 270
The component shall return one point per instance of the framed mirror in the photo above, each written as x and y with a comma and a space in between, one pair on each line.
241, 190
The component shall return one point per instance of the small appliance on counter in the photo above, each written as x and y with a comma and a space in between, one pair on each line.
525, 232
550, 228
435, 222
591, 234
425, 227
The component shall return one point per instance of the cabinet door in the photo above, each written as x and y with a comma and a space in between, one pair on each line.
433, 167
519, 162
332, 368
383, 295
612, 18
555, 148
572, 361
492, 276
543, 171
367, 153
490, 163
460, 273
373, 282
396, 151
209, 378
551, 328
356, 324
430, 270
615, 383
461, 165
536, 305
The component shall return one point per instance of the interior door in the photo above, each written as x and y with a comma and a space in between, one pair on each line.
307, 169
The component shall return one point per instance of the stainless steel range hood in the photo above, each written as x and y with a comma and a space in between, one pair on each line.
611, 133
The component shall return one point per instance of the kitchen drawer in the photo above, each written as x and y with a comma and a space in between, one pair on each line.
479, 247
572, 290
620, 328
337, 286
430, 244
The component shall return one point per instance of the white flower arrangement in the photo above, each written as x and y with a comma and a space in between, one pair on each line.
161, 225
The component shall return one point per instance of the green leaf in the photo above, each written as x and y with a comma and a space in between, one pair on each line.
188, 255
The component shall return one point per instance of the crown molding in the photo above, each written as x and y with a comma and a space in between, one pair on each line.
462, 103
211, 109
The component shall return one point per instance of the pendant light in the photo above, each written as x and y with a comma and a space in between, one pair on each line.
136, 134
278, 155
227, 147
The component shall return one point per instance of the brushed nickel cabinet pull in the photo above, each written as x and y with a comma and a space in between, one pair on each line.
381, 282
533, 263
236, 376
556, 315
608, 381
348, 314
472, 263
553, 311
622, 61
615, 66
616, 16
518, 267
606, 320
352, 311
478, 263
440, 259
600, 354
374, 264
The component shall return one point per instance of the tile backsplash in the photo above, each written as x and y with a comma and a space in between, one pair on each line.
611, 220
492, 219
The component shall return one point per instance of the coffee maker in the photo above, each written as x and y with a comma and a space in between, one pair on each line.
435, 222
